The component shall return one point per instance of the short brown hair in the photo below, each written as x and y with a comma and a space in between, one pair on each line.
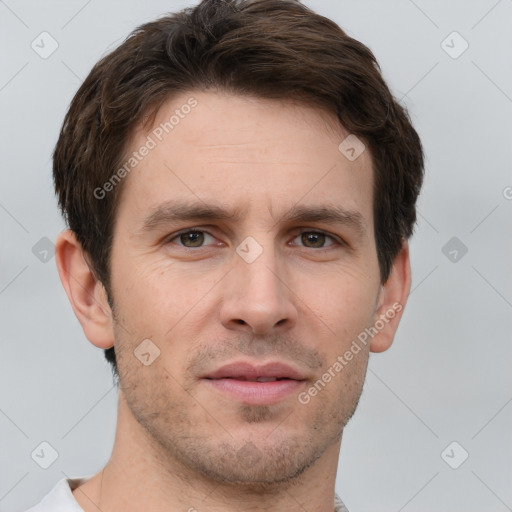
275, 49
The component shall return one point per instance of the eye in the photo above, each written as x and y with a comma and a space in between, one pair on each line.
191, 238
316, 239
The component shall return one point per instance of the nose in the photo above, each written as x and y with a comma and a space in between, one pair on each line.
257, 298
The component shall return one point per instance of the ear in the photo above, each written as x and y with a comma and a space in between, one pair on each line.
391, 302
86, 293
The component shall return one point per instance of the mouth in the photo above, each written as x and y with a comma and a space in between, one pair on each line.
256, 379
256, 385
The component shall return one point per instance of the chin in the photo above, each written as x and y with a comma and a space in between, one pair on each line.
258, 467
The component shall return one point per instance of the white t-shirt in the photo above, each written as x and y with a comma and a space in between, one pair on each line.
61, 499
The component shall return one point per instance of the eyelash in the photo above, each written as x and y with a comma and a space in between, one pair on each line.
335, 240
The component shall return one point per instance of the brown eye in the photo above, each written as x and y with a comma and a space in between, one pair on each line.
192, 239
312, 239
315, 240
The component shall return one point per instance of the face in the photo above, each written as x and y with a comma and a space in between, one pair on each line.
243, 248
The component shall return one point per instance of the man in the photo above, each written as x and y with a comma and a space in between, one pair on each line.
240, 186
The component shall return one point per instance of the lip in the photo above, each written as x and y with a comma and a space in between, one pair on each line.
251, 371
237, 380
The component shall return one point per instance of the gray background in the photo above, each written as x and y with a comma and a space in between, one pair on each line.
447, 377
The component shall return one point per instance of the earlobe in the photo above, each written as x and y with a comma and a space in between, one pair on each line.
86, 293
392, 299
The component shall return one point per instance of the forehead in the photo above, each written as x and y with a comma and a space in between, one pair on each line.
249, 153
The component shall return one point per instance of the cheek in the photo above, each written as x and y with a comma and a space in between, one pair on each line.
343, 299
156, 299
140, 297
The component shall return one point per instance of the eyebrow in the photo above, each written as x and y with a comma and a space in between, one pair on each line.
173, 211
328, 214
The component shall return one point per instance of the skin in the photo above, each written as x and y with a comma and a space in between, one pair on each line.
180, 443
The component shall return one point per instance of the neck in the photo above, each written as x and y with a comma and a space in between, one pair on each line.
138, 477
